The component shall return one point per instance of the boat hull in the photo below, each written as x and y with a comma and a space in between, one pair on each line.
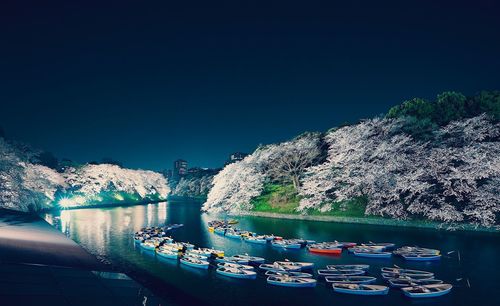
350, 280
236, 275
404, 271
348, 267
426, 295
300, 265
233, 265
361, 292
294, 274
168, 256
249, 259
257, 241
219, 231
232, 260
326, 251
147, 247
395, 283
407, 276
287, 246
373, 255
416, 258
293, 285
277, 269
194, 265
328, 272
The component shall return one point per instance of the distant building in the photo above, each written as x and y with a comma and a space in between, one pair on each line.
236, 156
194, 171
180, 169
168, 173
199, 172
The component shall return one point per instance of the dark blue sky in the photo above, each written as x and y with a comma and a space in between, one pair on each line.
146, 82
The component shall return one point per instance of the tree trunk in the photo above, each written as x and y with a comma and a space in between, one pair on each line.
296, 182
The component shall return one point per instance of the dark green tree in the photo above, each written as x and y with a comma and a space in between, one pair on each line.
450, 105
416, 107
488, 102
421, 129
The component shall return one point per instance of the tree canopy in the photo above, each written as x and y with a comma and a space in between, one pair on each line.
449, 106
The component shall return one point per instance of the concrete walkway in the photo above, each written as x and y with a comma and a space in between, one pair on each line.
27, 238
40, 266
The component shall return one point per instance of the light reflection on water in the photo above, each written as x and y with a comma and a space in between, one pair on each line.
107, 232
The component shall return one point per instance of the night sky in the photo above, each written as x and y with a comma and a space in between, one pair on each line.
146, 82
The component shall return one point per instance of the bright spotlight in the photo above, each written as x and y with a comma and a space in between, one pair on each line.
66, 202
72, 202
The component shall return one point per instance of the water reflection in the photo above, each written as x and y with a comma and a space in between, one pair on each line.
107, 232
65, 219
150, 214
162, 211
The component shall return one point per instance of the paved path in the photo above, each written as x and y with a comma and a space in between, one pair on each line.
40, 266
29, 239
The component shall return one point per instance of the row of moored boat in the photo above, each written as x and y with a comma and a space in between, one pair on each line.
352, 279
367, 250
349, 279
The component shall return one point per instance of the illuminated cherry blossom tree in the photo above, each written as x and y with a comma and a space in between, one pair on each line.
235, 186
195, 186
91, 180
290, 159
27, 186
452, 178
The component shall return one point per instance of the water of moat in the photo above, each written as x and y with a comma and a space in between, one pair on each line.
107, 232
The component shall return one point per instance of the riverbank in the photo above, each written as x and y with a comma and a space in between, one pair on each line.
372, 221
122, 204
26, 238
104, 205
174, 197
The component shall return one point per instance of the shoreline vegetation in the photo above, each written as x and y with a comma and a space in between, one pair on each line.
371, 220
175, 198
281, 202
171, 198
105, 205
351, 215
432, 161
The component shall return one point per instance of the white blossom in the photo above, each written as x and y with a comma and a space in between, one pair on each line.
91, 180
236, 185
30, 187
454, 177
23, 185
194, 186
451, 179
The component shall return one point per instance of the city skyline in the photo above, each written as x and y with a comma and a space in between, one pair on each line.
181, 166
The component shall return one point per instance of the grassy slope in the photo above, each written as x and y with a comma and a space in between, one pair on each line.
278, 201
277, 198
283, 199
351, 208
